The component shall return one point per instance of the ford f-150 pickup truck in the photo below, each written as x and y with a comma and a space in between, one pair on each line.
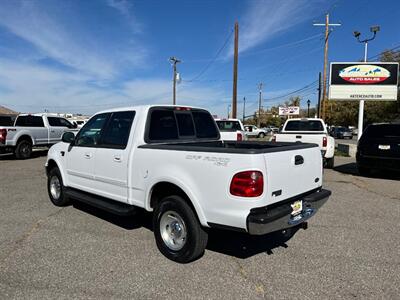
231, 130
170, 160
32, 130
309, 130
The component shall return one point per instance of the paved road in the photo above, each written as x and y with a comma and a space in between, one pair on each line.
351, 249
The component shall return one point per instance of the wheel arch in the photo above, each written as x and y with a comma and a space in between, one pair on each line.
166, 188
24, 137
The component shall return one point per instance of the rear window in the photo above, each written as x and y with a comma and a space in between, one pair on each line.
228, 126
306, 125
30, 121
170, 124
383, 130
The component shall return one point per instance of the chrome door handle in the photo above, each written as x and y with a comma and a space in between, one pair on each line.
88, 155
117, 158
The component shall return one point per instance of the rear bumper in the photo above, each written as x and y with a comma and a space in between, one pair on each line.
381, 163
278, 217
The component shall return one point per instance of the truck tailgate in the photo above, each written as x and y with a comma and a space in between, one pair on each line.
291, 173
301, 137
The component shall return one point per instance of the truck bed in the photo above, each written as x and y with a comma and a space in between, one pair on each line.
244, 147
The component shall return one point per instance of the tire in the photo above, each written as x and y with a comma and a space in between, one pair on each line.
261, 135
23, 149
55, 188
330, 163
173, 212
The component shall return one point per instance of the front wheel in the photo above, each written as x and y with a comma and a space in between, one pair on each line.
55, 188
178, 233
261, 135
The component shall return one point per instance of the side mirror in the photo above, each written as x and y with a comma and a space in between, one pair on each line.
68, 137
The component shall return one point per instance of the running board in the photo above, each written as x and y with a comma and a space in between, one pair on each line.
112, 206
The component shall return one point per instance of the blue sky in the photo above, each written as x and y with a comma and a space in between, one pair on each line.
85, 56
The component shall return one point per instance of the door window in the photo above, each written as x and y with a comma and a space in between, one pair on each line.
89, 135
116, 133
59, 122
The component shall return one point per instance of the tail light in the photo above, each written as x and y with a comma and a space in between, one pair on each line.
239, 137
247, 184
324, 141
273, 138
3, 135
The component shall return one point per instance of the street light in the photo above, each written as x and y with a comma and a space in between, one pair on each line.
357, 34
308, 108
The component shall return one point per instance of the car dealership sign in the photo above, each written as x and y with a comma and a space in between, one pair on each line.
363, 81
289, 110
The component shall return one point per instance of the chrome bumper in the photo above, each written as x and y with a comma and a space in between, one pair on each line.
279, 216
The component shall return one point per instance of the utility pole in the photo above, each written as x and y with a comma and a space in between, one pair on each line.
260, 86
319, 96
235, 70
173, 60
327, 32
244, 107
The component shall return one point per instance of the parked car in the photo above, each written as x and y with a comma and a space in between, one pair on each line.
170, 160
31, 130
272, 129
254, 131
231, 129
309, 130
379, 148
7, 120
342, 133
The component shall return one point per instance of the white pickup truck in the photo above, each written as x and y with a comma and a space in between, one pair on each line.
170, 160
310, 130
231, 129
32, 130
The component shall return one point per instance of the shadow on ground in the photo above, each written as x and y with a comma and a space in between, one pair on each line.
35, 154
351, 168
237, 244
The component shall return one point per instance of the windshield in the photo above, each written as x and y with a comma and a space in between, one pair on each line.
304, 125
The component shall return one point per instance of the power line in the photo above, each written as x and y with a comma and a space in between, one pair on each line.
212, 60
306, 87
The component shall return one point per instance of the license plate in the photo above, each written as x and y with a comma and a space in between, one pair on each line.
297, 207
384, 147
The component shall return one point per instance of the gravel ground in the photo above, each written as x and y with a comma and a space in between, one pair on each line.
350, 250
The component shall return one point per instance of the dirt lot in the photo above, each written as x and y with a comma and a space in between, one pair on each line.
351, 248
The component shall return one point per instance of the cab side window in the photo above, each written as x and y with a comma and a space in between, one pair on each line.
116, 133
89, 135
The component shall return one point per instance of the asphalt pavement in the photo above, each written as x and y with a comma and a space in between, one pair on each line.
350, 250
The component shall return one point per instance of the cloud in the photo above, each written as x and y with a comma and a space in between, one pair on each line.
264, 19
125, 8
57, 34
33, 88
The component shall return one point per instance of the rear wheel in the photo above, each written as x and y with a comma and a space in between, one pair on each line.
330, 163
23, 149
261, 135
178, 233
55, 188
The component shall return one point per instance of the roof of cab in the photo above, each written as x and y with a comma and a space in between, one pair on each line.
144, 107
